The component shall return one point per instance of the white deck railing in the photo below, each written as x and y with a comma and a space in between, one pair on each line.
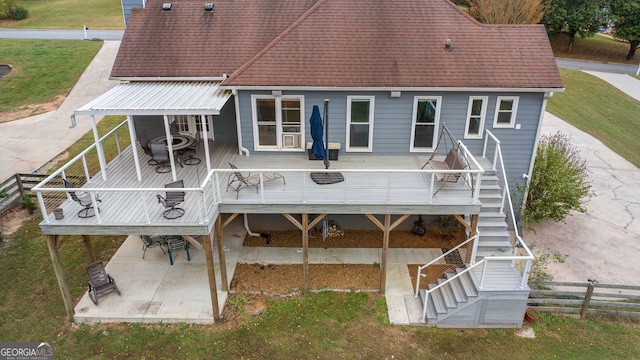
498, 166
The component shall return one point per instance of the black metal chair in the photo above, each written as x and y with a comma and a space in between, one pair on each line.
100, 283
144, 144
172, 199
149, 242
190, 152
84, 199
161, 156
173, 128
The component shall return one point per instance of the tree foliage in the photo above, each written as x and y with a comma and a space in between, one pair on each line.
559, 181
626, 18
575, 17
507, 12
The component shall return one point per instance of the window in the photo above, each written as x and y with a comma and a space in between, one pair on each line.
278, 122
426, 115
193, 123
506, 108
475, 117
359, 123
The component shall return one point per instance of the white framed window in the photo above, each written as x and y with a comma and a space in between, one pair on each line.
278, 123
360, 123
475, 117
506, 109
424, 126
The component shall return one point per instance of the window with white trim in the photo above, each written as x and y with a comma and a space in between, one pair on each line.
278, 122
360, 123
506, 108
475, 117
426, 116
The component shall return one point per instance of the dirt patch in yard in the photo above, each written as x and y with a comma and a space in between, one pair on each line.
274, 279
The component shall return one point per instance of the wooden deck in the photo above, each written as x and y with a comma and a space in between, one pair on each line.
129, 206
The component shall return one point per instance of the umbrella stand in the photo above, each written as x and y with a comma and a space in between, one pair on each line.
324, 178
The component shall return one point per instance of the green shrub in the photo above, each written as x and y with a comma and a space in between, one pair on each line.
558, 184
26, 201
18, 13
540, 266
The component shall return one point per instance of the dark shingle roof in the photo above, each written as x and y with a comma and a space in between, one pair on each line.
337, 43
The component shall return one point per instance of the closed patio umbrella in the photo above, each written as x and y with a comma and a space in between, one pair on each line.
317, 149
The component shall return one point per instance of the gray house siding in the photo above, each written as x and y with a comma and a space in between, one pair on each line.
393, 118
127, 5
224, 125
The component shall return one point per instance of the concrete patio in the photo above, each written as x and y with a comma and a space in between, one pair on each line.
154, 291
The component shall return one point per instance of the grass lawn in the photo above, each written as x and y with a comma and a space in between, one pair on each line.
595, 107
43, 69
325, 325
597, 48
69, 14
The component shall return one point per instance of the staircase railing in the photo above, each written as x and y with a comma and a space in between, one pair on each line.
506, 198
420, 268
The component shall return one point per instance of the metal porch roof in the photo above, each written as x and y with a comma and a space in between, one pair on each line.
159, 98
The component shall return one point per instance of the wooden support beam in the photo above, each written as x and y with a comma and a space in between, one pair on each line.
89, 249
399, 221
473, 226
57, 268
211, 273
221, 255
375, 221
385, 248
193, 242
293, 220
316, 220
473, 231
305, 252
229, 220
462, 221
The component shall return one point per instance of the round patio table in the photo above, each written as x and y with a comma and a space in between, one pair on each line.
179, 141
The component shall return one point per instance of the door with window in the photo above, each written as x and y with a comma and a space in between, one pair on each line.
278, 122
194, 123
426, 115
360, 123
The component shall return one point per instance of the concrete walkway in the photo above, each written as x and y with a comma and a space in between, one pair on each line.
626, 83
29, 144
604, 243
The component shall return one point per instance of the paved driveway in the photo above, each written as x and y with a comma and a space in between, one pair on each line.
604, 243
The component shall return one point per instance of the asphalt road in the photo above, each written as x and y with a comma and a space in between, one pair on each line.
61, 34
596, 66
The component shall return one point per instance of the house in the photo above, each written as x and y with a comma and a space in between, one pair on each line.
245, 75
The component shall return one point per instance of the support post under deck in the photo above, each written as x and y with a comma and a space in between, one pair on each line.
57, 268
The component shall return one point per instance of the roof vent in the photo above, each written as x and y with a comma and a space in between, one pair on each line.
447, 45
166, 6
208, 7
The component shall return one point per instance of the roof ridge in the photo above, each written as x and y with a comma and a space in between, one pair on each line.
276, 40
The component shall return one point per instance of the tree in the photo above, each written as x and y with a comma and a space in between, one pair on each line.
575, 17
11, 9
507, 12
558, 183
626, 19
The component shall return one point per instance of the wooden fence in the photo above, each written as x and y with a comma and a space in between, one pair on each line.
587, 298
16, 186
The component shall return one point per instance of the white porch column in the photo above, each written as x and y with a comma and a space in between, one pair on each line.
167, 131
205, 132
132, 134
101, 159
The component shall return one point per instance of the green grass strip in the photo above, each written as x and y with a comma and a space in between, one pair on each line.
599, 109
42, 69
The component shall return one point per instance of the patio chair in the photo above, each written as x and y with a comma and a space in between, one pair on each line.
176, 243
237, 181
84, 199
161, 156
100, 283
190, 152
172, 199
144, 144
148, 242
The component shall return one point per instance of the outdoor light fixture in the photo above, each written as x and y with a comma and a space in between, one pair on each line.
447, 45
395, 94
166, 6
208, 7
